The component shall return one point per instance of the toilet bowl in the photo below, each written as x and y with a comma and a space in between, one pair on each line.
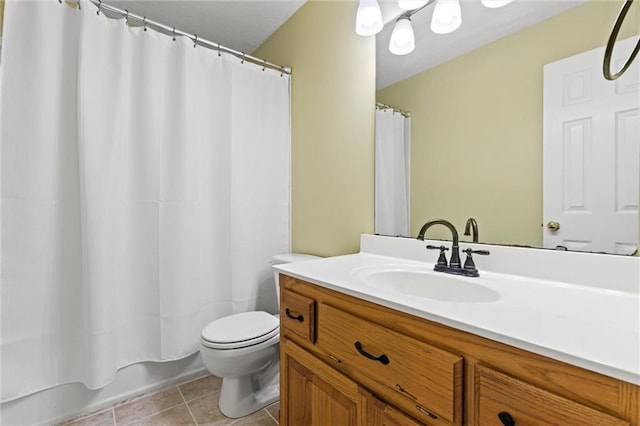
243, 349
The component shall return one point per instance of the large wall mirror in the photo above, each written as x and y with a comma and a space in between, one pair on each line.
477, 125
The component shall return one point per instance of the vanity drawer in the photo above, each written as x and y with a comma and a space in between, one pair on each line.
527, 405
430, 377
298, 314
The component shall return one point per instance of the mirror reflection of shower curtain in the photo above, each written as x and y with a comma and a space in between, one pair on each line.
145, 187
392, 154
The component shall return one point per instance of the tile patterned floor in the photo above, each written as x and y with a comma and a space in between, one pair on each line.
191, 403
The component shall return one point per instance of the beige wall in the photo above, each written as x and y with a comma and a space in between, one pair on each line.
333, 96
463, 163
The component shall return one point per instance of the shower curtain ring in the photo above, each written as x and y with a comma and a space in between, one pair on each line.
126, 17
264, 65
174, 33
79, 7
99, 6
144, 22
219, 53
195, 41
243, 55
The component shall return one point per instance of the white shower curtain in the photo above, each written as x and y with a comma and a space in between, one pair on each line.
392, 149
145, 185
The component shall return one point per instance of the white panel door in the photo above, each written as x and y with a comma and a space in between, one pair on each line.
591, 154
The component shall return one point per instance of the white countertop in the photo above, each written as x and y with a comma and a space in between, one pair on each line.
594, 328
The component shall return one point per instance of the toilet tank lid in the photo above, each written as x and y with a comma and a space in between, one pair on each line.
291, 258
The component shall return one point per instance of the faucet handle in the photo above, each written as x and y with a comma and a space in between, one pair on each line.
470, 251
469, 265
442, 259
441, 248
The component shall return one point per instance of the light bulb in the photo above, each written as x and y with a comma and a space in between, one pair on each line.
492, 4
402, 39
447, 16
368, 18
411, 4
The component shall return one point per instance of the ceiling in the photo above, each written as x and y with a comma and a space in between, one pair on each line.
243, 25
480, 26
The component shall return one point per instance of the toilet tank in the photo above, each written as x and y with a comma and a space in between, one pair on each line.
279, 259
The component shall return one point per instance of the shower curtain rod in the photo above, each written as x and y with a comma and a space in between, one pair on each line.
194, 37
380, 105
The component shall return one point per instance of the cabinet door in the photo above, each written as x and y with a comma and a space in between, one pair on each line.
379, 413
314, 394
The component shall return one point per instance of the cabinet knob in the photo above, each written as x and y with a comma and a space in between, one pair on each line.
506, 419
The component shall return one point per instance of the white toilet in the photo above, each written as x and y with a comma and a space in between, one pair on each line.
243, 350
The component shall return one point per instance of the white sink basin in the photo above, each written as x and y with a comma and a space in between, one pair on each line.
421, 281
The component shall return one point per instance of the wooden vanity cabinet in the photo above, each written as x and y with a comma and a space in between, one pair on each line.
314, 394
417, 372
380, 413
428, 378
519, 403
298, 315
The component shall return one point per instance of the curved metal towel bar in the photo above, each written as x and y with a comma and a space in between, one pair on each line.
606, 65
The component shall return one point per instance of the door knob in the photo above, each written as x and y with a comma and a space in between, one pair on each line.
553, 226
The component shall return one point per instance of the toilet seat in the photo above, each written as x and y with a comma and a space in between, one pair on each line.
240, 330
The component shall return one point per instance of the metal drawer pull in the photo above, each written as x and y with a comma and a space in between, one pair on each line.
506, 419
382, 358
300, 318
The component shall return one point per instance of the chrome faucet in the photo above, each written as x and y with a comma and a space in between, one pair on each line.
471, 225
454, 262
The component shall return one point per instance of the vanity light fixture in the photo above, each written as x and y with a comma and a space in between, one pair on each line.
369, 18
493, 4
402, 39
447, 17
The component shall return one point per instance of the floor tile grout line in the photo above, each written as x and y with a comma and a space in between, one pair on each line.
157, 391
76, 419
269, 414
195, 422
195, 379
204, 395
140, 397
125, 402
199, 395
151, 415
